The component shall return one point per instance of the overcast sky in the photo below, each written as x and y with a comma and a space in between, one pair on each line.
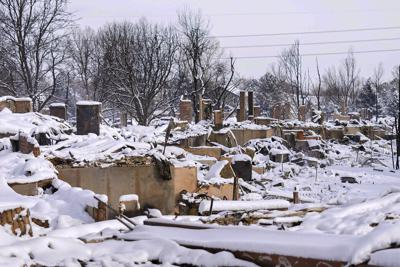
244, 17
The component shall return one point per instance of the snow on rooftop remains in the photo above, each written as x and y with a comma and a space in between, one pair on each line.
57, 105
88, 103
30, 123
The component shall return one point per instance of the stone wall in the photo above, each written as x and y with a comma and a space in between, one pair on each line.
88, 117
25, 144
185, 110
58, 110
18, 219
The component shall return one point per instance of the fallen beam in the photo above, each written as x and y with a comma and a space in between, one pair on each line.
237, 205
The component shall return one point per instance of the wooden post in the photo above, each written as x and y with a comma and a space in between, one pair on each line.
235, 184
211, 206
235, 188
296, 199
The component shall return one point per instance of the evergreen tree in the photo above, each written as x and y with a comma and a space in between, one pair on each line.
366, 98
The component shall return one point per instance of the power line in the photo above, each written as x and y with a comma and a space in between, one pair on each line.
307, 32
321, 12
314, 43
301, 12
319, 54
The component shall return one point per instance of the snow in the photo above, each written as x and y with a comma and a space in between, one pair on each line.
82, 230
387, 257
240, 157
383, 236
215, 170
154, 213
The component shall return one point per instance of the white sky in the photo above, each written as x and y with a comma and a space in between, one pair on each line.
238, 17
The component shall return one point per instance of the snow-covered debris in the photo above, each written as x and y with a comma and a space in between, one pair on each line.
110, 148
66, 207
83, 149
193, 130
16, 167
268, 146
31, 123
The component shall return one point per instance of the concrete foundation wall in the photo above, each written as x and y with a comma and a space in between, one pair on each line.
242, 136
205, 151
30, 189
193, 141
223, 191
145, 181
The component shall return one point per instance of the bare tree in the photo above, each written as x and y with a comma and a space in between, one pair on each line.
377, 82
317, 89
198, 50
138, 60
7, 69
348, 75
341, 85
82, 54
88, 57
222, 83
35, 32
291, 63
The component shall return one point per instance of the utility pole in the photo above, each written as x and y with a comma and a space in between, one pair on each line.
398, 127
